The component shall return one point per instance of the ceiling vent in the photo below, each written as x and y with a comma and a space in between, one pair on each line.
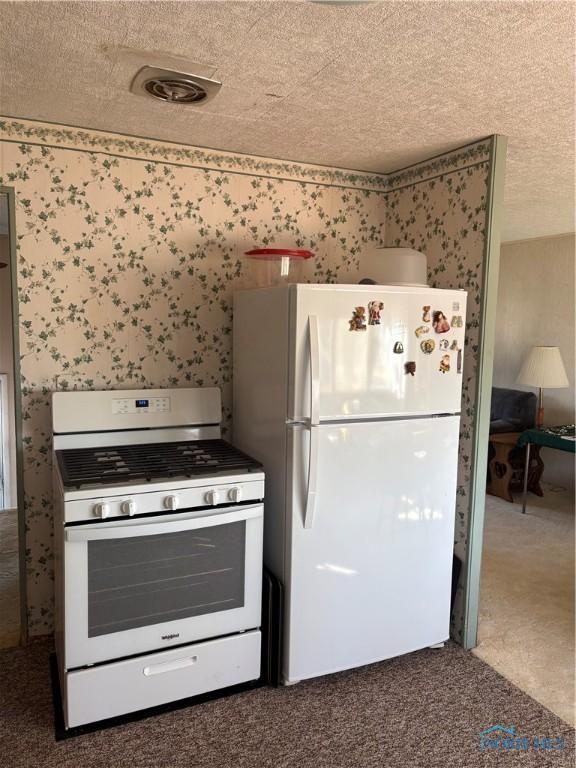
174, 87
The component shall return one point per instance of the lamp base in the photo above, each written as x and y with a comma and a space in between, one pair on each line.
540, 411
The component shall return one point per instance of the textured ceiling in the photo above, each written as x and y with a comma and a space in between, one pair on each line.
373, 86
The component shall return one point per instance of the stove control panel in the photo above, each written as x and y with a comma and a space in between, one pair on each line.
179, 496
121, 405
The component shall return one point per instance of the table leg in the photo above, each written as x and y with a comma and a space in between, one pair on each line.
526, 470
536, 470
501, 471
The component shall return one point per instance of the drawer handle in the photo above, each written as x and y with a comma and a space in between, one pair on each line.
170, 666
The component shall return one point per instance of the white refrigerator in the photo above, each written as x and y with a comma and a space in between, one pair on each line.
350, 397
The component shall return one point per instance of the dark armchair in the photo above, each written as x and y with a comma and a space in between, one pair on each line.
512, 410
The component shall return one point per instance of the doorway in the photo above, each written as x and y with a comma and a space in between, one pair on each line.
526, 619
12, 626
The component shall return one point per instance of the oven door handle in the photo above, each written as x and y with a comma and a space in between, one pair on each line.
130, 529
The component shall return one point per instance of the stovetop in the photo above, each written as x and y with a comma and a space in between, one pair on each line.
151, 462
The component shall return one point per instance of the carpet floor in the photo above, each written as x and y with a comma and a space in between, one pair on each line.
423, 710
526, 623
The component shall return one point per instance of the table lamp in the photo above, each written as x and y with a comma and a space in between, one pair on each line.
543, 368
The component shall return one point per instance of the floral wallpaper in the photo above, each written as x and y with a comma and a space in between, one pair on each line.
129, 251
439, 208
128, 254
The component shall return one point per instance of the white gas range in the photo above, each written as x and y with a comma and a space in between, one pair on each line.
158, 540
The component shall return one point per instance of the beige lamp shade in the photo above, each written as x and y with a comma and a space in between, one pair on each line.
543, 368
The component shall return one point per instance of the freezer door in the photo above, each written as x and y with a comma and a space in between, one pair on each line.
369, 573
401, 364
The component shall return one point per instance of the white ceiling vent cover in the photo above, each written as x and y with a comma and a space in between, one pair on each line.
174, 87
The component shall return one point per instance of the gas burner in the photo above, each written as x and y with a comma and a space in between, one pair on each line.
153, 461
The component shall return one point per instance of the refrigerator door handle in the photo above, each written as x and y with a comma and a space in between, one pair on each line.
314, 347
312, 478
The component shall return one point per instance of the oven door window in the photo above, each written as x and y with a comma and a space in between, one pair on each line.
144, 580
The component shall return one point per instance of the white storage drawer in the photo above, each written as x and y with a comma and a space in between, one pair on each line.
158, 678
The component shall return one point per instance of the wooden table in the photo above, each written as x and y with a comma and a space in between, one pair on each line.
503, 472
500, 468
560, 438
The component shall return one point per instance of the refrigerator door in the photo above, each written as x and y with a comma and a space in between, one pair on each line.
402, 364
369, 556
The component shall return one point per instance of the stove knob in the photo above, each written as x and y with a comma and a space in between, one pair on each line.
171, 502
102, 509
235, 494
128, 507
212, 497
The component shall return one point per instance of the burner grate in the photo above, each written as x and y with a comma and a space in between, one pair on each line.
151, 461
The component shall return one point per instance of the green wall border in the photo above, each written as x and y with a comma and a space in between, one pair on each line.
489, 295
10, 194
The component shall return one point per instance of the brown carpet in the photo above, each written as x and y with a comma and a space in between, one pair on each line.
424, 710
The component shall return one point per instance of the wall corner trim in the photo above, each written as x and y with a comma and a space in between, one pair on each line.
491, 266
10, 194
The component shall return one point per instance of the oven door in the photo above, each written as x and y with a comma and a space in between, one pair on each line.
139, 585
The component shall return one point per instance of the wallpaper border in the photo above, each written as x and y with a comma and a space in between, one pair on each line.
467, 156
64, 137
88, 140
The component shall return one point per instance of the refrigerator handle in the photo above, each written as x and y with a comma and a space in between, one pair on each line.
312, 478
314, 347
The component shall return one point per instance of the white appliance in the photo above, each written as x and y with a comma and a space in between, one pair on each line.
158, 538
396, 266
357, 427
